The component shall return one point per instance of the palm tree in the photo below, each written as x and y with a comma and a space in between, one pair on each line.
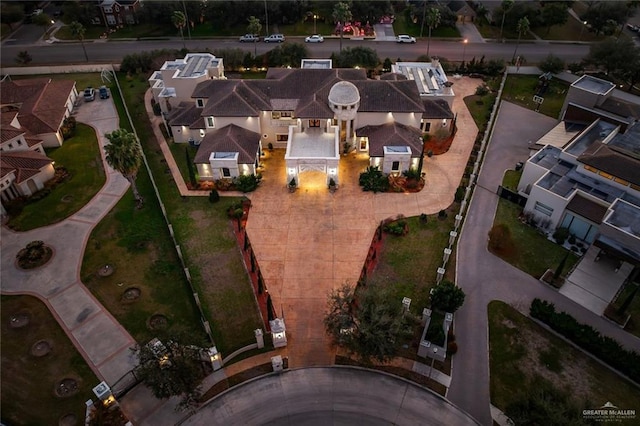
523, 27
342, 14
77, 31
179, 20
433, 20
125, 155
254, 28
506, 7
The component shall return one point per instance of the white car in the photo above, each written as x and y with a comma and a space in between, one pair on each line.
250, 38
274, 38
314, 39
403, 38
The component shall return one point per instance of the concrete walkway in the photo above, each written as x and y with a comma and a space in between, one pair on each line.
469, 31
99, 338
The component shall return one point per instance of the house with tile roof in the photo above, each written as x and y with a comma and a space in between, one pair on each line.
586, 177
314, 114
119, 12
42, 105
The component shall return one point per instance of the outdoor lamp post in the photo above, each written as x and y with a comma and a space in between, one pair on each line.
584, 24
433, 360
315, 17
464, 48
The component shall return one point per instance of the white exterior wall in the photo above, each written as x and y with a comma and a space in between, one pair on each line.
182, 134
46, 173
438, 124
269, 128
390, 157
530, 174
548, 198
51, 140
249, 123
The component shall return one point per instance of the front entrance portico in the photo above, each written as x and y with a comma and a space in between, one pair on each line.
312, 150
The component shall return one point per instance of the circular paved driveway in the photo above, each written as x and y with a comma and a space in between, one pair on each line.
329, 395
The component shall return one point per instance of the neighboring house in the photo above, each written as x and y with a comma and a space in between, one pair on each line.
41, 104
119, 12
463, 11
22, 173
176, 80
429, 77
589, 182
315, 114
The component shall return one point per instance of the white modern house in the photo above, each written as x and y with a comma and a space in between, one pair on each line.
315, 114
586, 177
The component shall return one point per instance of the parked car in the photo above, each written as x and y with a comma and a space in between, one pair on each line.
104, 92
634, 28
89, 94
249, 38
274, 38
404, 38
314, 39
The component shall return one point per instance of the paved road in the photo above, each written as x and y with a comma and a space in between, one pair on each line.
484, 277
114, 51
326, 396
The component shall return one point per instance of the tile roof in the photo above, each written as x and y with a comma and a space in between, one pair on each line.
587, 208
24, 164
604, 158
314, 108
283, 88
393, 76
185, 114
230, 138
42, 102
391, 134
436, 108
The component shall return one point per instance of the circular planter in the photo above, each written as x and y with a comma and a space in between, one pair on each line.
41, 348
157, 322
19, 320
67, 198
106, 270
26, 263
131, 295
66, 387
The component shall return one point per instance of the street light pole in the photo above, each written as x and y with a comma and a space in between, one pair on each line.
584, 24
464, 48
315, 31
433, 360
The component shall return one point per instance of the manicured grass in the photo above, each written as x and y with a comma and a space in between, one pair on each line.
520, 350
633, 326
206, 239
403, 26
532, 252
302, 28
571, 30
520, 89
80, 155
480, 107
28, 382
408, 264
493, 31
178, 152
511, 179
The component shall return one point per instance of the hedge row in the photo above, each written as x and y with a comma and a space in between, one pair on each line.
589, 339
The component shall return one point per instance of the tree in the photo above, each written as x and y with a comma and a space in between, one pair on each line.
618, 57
505, 7
554, 13
432, 20
11, 14
605, 16
447, 297
77, 31
363, 57
341, 14
288, 54
254, 27
170, 367
552, 64
125, 155
192, 173
179, 20
370, 325
522, 28
23, 58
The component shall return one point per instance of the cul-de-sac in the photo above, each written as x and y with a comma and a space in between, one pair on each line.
279, 212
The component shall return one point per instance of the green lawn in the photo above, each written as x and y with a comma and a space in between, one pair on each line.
178, 152
409, 263
633, 326
532, 252
521, 351
572, 30
206, 240
493, 31
80, 155
28, 382
403, 26
480, 107
520, 89
511, 179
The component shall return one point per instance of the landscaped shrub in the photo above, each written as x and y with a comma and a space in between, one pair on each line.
459, 194
246, 183
412, 174
374, 180
68, 128
482, 90
452, 348
585, 336
224, 184
500, 240
397, 227
446, 297
442, 214
214, 196
561, 235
